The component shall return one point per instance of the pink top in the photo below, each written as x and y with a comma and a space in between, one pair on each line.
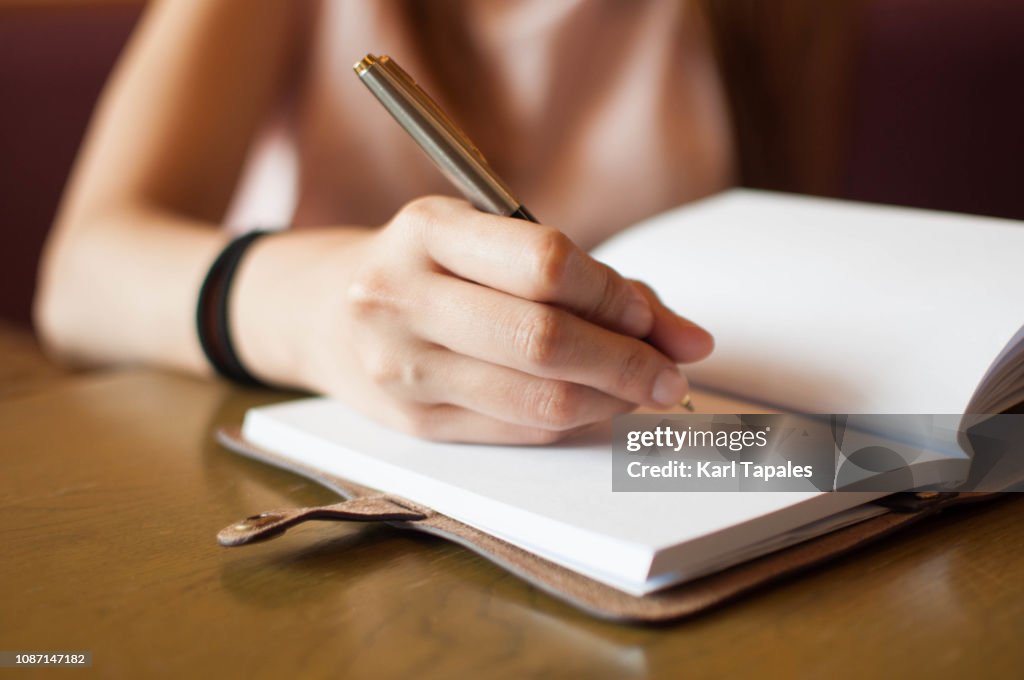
597, 113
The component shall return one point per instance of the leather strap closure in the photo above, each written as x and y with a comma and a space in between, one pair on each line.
273, 523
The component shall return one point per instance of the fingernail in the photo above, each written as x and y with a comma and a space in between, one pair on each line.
638, 317
669, 387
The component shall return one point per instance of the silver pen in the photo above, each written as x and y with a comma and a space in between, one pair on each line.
443, 141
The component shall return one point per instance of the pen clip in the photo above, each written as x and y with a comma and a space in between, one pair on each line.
413, 89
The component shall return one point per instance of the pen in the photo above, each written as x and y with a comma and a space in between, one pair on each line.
442, 140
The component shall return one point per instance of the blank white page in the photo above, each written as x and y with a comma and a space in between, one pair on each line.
829, 306
555, 501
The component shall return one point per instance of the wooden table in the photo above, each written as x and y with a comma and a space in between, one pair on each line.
112, 491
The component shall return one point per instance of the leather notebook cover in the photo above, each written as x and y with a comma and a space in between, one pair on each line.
686, 599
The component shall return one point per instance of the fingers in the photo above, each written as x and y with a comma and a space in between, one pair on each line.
542, 341
530, 261
434, 375
486, 329
679, 338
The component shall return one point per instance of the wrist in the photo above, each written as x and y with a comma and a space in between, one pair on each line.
280, 298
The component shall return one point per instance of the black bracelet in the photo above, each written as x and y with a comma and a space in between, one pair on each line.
212, 313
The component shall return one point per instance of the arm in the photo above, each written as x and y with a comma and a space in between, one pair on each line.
447, 322
139, 223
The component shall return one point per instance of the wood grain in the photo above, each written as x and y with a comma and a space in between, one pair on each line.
113, 490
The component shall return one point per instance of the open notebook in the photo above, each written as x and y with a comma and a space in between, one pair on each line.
817, 307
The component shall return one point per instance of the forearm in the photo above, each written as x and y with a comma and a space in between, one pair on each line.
122, 289
125, 291
139, 224
286, 302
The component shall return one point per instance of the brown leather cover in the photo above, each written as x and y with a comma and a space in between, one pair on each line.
684, 600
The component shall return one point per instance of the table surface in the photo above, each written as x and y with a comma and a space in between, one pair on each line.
112, 492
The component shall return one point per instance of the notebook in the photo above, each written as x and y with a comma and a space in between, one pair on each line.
817, 306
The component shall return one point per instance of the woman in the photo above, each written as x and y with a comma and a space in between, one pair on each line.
445, 322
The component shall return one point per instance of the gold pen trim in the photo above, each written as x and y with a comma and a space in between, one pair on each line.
442, 118
437, 134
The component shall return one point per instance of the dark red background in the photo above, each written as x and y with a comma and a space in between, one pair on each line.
937, 118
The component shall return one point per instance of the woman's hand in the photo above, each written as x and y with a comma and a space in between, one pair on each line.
457, 325
448, 323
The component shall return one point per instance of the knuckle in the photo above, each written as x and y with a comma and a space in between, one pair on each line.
611, 295
371, 291
425, 214
539, 337
633, 370
412, 373
558, 405
550, 255
396, 370
415, 218
419, 209
381, 368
